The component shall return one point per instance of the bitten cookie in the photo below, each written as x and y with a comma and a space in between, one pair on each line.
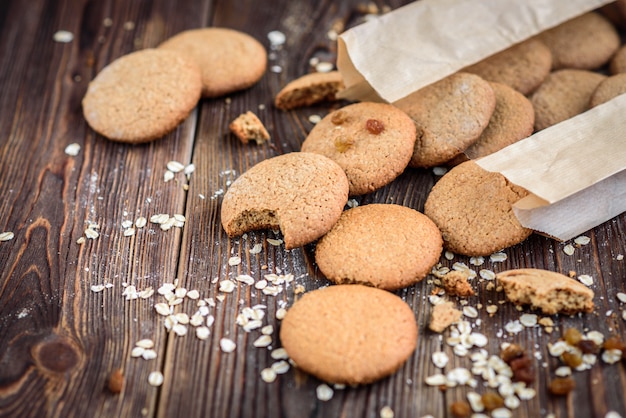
372, 142
618, 62
248, 127
585, 42
380, 245
309, 89
473, 209
350, 334
301, 193
547, 290
608, 89
229, 60
142, 96
449, 115
522, 67
512, 120
564, 94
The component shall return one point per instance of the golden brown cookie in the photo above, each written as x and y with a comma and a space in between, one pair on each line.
248, 127
586, 42
399, 246
142, 96
608, 89
230, 60
564, 94
512, 120
350, 334
618, 62
522, 67
449, 115
309, 89
372, 142
473, 209
301, 193
547, 290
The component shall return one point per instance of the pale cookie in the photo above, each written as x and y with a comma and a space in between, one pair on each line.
586, 42
455, 284
230, 60
512, 120
618, 62
547, 290
473, 209
248, 127
350, 334
564, 94
608, 89
372, 142
309, 89
301, 193
381, 245
442, 316
142, 96
522, 67
449, 115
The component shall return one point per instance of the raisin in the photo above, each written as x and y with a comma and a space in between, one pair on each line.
614, 343
572, 336
338, 117
522, 370
573, 360
492, 401
460, 409
343, 143
511, 352
562, 386
116, 381
588, 346
374, 126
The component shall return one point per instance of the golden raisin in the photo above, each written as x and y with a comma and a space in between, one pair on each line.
588, 346
492, 401
614, 343
338, 117
374, 126
116, 381
460, 409
343, 143
511, 352
572, 336
573, 360
562, 386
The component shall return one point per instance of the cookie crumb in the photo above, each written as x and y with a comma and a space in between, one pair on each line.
247, 127
455, 284
442, 316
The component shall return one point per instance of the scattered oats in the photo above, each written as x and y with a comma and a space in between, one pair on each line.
478, 340
79, 241
324, 392
609, 312
261, 284
546, 322
513, 327
299, 289
155, 378
582, 240
149, 354
498, 257
267, 330
179, 219
324, 67
256, 249
557, 348
624, 314
145, 343
621, 296
107, 22
512, 402
220, 298
475, 401
440, 171
162, 309
166, 288
276, 69
227, 286
202, 333
279, 354
477, 261
501, 413
470, 312
131, 293
528, 320
141, 222
190, 168
352, 203
611, 356
448, 255
72, 149
227, 345
276, 38
492, 309
268, 375
182, 318
168, 176
589, 359
210, 320
436, 300
252, 325
435, 380
161, 218
91, 233
585, 279
280, 367
244, 278
315, 119
63, 36
180, 329
487, 274
568, 249
137, 352
262, 341
234, 261
440, 359
130, 25
129, 232
619, 257
525, 393
612, 414
193, 294
196, 319
97, 288
563, 371
272, 290
180, 292
127, 224
386, 412
280, 313
596, 337
460, 350
275, 242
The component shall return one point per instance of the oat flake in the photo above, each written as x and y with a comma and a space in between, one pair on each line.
97, 288
280, 367
262, 341
203, 333
168, 176
6, 236
141, 222
274, 242
585, 279
256, 249
63, 36
227, 345
498, 257
279, 354
315, 119
268, 375
324, 392
155, 378
280, 313
568, 249
470, 312
145, 343
611, 356
386, 412
175, 166
528, 320
440, 359
234, 261
72, 149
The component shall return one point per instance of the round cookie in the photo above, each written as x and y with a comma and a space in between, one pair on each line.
229, 60
586, 42
142, 96
512, 120
309, 89
618, 62
350, 334
372, 142
301, 193
473, 209
608, 89
399, 246
564, 94
523, 66
449, 115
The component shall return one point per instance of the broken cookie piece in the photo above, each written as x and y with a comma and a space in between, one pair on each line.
309, 89
455, 284
442, 316
248, 127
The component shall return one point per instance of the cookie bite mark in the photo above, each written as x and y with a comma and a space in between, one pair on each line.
309, 89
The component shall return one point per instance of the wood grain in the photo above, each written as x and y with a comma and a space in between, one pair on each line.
59, 340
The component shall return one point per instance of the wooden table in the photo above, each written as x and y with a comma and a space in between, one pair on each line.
59, 339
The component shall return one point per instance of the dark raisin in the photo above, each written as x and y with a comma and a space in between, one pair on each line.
374, 126
588, 346
614, 343
460, 409
562, 386
522, 368
511, 352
